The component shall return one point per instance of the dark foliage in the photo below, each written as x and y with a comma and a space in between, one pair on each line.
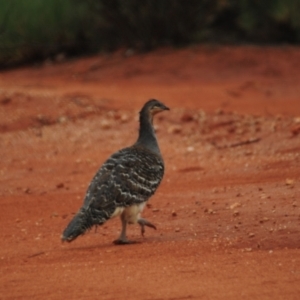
31, 30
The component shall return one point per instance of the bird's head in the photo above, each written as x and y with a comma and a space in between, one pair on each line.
147, 136
152, 107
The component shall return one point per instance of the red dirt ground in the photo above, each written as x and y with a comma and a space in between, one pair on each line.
227, 212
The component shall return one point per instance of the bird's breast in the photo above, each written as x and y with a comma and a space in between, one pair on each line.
130, 213
118, 211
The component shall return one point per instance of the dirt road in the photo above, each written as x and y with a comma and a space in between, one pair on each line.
227, 212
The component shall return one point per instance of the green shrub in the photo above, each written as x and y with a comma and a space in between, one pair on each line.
270, 20
37, 29
149, 23
34, 29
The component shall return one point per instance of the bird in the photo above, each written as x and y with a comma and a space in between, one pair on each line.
124, 183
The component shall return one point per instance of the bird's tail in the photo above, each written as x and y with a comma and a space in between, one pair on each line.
81, 222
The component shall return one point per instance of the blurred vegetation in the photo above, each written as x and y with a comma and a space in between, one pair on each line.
37, 29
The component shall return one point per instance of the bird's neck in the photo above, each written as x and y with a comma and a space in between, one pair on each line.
147, 137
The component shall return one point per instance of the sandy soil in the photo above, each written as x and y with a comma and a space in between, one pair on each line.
227, 212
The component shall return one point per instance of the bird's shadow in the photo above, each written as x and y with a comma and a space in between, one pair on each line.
103, 246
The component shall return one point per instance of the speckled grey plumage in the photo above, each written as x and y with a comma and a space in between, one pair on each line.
124, 183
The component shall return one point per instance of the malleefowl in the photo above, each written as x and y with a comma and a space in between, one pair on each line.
124, 183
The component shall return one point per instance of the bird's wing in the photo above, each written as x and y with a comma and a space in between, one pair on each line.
128, 177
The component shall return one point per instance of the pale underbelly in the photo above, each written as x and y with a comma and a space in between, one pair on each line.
131, 213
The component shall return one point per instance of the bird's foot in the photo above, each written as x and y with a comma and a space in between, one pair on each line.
143, 223
123, 242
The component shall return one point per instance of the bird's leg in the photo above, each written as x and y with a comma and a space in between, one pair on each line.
143, 222
122, 240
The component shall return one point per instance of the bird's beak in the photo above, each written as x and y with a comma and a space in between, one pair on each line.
158, 109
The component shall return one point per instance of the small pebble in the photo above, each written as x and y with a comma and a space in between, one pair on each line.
186, 117
105, 124
60, 185
175, 129
263, 220
27, 190
236, 213
289, 182
235, 205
